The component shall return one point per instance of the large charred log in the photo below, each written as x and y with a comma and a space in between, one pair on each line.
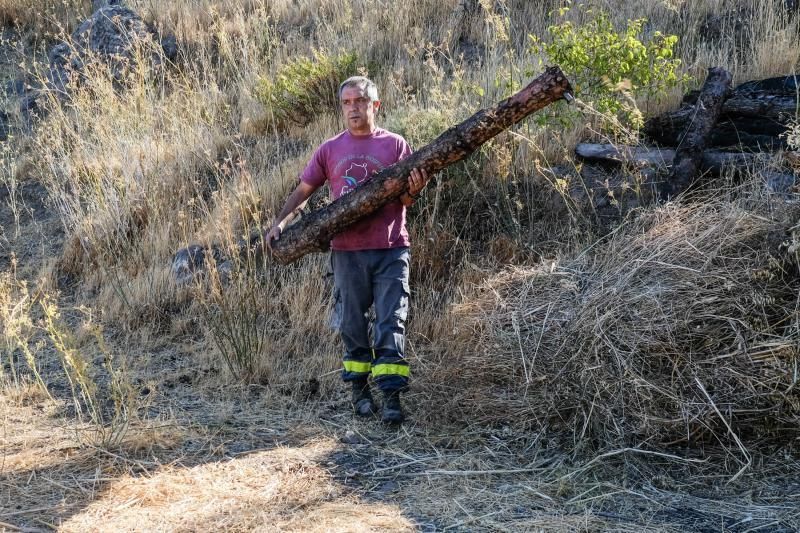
613, 180
653, 161
614, 156
754, 116
750, 122
314, 231
689, 154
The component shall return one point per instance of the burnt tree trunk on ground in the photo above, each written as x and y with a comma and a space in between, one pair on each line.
689, 154
609, 155
314, 231
716, 162
750, 121
754, 116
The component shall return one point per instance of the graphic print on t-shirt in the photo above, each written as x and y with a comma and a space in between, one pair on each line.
358, 169
353, 176
347, 162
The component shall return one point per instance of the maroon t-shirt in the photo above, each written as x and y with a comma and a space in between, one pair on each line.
348, 160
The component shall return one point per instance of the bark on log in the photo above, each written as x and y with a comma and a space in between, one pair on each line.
314, 231
776, 180
755, 122
689, 154
713, 161
779, 86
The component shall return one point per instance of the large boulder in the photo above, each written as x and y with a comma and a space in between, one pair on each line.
115, 37
114, 34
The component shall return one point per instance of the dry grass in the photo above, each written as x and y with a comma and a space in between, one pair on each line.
680, 326
45, 18
255, 467
283, 489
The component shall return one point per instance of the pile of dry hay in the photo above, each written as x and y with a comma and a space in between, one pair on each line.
680, 326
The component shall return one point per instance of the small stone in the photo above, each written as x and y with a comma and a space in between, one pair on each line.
389, 486
16, 88
353, 438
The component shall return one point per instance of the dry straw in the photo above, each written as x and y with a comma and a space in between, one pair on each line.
681, 326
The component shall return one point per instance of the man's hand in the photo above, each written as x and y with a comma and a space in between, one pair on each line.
273, 234
417, 181
293, 204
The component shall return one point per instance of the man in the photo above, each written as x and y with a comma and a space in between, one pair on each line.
371, 258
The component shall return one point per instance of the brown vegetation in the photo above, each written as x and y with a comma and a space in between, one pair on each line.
566, 377
622, 343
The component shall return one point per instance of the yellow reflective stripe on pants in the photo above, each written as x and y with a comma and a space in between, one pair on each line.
390, 370
357, 366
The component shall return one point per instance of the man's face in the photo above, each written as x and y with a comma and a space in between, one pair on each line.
358, 111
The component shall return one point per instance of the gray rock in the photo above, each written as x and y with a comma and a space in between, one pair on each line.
114, 36
16, 88
389, 486
170, 46
29, 107
353, 438
188, 261
99, 4
780, 183
194, 260
732, 26
224, 271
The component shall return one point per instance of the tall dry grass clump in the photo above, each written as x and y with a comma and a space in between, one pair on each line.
679, 327
45, 18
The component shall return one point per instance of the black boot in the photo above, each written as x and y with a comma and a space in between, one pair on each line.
363, 404
392, 410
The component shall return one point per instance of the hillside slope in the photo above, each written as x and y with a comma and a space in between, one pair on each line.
566, 375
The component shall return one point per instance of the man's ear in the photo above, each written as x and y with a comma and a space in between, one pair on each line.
377, 104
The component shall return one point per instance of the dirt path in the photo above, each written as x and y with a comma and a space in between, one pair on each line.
251, 461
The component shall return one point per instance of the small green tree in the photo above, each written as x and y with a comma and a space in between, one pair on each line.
609, 69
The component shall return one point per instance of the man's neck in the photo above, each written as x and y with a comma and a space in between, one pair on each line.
363, 133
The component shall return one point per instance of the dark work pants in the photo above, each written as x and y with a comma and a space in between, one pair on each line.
380, 278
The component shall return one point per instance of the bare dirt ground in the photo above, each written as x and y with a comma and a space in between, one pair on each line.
244, 461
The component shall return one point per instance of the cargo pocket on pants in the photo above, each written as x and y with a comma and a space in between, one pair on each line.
335, 320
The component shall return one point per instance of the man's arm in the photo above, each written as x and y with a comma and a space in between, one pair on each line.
293, 204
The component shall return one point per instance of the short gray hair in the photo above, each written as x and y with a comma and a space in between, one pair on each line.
362, 83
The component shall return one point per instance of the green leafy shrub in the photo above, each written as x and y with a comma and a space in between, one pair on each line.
420, 126
609, 69
306, 86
